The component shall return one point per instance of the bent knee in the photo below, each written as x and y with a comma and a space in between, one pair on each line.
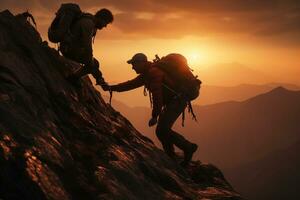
162, 132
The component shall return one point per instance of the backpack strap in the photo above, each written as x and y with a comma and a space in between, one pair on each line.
110, 96
190, 109
183, 118
89, 16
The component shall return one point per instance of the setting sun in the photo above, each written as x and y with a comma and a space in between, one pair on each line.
193, 58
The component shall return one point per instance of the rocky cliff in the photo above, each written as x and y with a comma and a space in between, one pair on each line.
62, 142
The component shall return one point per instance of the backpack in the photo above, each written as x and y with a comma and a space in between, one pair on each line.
65, 17
176, 66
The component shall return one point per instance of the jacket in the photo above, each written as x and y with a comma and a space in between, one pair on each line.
156, 81
78, 45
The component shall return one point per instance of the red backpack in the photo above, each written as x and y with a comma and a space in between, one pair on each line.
176, 66
187, 84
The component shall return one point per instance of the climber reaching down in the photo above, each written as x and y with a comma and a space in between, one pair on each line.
171, 90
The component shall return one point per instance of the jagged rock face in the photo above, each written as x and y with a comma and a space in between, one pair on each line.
62, 142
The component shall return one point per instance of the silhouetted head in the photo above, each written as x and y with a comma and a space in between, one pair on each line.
139, 63
103, 17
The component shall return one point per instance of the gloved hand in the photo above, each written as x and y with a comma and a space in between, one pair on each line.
152, 121
105, 86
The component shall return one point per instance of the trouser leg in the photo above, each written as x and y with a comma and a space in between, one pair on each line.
168, 148
180, 141
75, 77
91, 68
165, 134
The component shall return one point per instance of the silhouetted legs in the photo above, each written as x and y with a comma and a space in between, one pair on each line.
167, 136
90, 69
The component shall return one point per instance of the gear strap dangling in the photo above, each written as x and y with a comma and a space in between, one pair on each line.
183, 118
190, 110
145, 91
94, 35
110, 96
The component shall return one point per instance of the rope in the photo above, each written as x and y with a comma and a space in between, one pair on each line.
145, 91
151, 100
183, 118
150, 96
110, 96
94, 36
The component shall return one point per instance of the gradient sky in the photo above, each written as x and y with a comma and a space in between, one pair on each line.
261, 35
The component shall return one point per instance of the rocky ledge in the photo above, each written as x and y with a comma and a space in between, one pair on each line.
62, 142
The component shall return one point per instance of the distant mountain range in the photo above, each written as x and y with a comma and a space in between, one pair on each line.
248, 130
214, 94
235, 135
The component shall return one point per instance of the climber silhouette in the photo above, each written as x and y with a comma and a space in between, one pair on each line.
75, 32
167, 103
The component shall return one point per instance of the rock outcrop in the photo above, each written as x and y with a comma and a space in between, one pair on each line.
62, 142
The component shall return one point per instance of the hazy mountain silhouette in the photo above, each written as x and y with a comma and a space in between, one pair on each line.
247, 130
216, 94
63, 142
275, 176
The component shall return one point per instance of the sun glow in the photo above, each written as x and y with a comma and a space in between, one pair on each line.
193, 57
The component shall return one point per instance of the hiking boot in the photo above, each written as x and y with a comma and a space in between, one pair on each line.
172, 155
169, 150
188, 154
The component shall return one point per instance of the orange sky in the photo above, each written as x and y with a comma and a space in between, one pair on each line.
221, 38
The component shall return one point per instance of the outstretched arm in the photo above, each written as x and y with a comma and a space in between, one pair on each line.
128, 85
